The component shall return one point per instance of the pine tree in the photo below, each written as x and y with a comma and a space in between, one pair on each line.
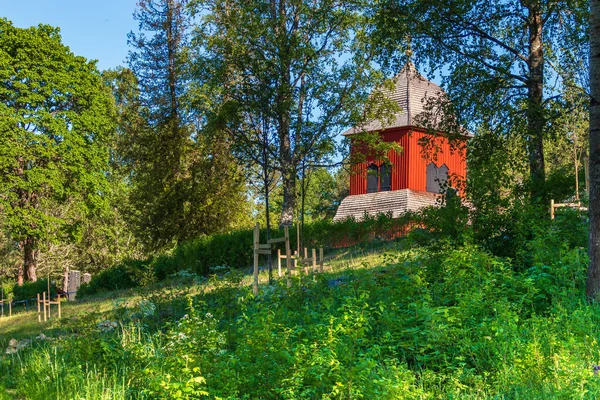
184, 181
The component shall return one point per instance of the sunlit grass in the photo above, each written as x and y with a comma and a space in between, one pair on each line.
25, 324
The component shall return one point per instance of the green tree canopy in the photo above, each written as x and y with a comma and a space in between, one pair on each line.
286, 76
55, 118
508, 64
184, 181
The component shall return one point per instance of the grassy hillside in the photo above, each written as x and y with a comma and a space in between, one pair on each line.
444, 321
24, 325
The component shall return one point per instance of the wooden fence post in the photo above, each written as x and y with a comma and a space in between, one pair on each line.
304, 261
314, 261
552, 209
256, 240
288, 255
39, 312
49, 296
321, 260
295, 262
298, 237
279, 262
44, 301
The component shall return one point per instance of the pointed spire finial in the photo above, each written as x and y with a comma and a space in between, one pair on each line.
408, 51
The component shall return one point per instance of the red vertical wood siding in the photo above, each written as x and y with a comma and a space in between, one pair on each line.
410, 166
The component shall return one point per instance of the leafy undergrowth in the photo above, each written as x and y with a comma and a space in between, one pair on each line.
446, 322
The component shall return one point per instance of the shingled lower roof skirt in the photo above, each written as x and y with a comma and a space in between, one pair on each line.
396, 202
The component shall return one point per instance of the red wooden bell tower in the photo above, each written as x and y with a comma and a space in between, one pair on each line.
416, 175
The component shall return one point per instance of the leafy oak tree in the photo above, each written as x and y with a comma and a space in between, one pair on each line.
55, 119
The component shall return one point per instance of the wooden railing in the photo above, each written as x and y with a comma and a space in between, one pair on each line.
554, 206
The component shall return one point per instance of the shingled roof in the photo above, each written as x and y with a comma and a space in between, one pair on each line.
396, 202
412, 92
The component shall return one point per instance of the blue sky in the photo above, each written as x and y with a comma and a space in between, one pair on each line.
93, 29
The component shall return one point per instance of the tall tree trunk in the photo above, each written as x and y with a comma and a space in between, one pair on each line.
289, 190
300, 121
286, 157
20, 278
593, 276
535, 112
586, 167
173, 43
283, 100
30, 259
302, 203
265, 166
288, 173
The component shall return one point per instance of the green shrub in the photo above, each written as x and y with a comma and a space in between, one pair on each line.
234, 249
128, 274
29, 290
446, 321
8, 289
448, 221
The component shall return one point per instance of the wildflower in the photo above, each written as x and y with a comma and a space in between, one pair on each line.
107, 325
147, 307
596, 369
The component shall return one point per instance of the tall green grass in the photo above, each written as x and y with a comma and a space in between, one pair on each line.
47, 372
440, 322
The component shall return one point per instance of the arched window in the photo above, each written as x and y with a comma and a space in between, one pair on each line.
372, 178
432, 184
442, 176
436, 177
385, 184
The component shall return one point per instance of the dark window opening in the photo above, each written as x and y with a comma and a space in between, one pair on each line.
386, 178
432, 184
437, 178
372, 178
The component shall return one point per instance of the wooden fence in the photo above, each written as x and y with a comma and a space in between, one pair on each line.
45, 304
554, 206
292, 260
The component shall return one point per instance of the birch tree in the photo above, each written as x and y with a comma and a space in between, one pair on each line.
302, 68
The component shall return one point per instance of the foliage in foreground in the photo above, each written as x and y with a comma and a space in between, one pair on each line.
449, 321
